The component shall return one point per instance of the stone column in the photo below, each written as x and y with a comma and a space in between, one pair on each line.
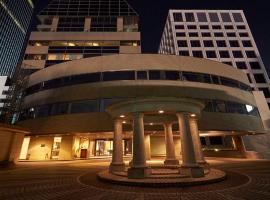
196, 140
189, 165
117, 163
138, 167
147, 147
239, 144
170, 149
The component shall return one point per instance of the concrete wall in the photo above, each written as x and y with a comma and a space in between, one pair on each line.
40, 148
157, 145
66, 148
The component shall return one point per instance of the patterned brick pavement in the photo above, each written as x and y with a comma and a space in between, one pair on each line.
77, 180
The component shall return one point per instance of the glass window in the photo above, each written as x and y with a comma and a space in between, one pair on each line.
141, 75
251, 54
247, 43
216, 27
204, 27
229, 27
85, 106
172, 75
221, 43
184, 53
218, 34
219, 106
192, 27
195, 43
177, 17
211, 54
203, 140
60, 108
118, 75
215, 79
197, 54
213, 17
231, 34
265, 91
225, 17
208, 43
190, 17
155, 75
224, 54
241, 65
229, 82
193, 34
43, 111
201, 17
232, 107
182, 43
249, 78
216, 140
179, 27
243, 34
259, 78
237, 54
241, 27
196, 77
206, 34
234, 43
237, 17
180, 34
255, 65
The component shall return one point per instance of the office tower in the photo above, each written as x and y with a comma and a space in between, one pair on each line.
77, 29
15, 20
220, 35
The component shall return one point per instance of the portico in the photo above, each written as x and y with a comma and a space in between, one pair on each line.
165, 111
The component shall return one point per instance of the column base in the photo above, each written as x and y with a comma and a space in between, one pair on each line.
194, 172
116, 167
139, 172
171, 162
203, 163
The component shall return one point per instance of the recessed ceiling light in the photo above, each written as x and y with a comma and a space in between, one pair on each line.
193, 115
161, 111
122, 116
124, 122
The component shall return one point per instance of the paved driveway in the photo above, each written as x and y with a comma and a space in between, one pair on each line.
76, 180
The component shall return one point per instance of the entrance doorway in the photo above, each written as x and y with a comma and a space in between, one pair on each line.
104, 147
83, 153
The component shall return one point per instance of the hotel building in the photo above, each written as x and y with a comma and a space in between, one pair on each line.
91, 91
15, 20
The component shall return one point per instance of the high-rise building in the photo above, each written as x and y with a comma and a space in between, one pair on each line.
220, 35
77, 29
15, 17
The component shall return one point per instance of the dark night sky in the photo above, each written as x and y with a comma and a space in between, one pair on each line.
153, 14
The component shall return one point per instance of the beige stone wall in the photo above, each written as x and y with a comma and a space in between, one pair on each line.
16, 147
157, 145
5, 143
66, 148
38, 152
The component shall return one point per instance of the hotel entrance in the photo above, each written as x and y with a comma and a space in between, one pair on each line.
104, 147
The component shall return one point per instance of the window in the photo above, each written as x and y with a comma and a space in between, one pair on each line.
237, 54
196, 77
193, 34
85, 106
216, 27
211, 54
204, 27
231, 34
180, 34
218, 34
203, 141
225, 17
183, 53
141, 75
201, 17
247, 43
177, 17
241, 27
60, 108
172, 75
118, 75
234, 43
155, 75
259, 78
265, 91
191, 27
249, 78
255, 65
43, 111
182, 43
190, 17
219, 106
228, 63
195, 43
237, 17
241, 65
197, 54
206, 34
215, 79
213, 17
179, 27
243, 34
229, 27
224, 54
251, 54
221, 43
208, 43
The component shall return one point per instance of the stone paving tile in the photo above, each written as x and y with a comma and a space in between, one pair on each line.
247, 180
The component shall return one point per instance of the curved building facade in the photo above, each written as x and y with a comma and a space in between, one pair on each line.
72, 108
